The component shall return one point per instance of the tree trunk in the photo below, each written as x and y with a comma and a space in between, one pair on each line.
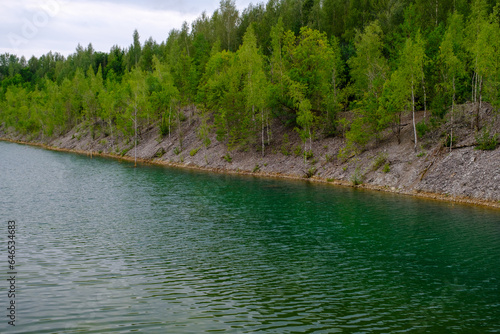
179, 131
262, 137
413, 112
480, 103
111, 131
268, 126
452, 114
399, 128
135, 136
437, 12
425, 95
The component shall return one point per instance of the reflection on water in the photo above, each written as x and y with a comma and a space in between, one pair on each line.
104, 247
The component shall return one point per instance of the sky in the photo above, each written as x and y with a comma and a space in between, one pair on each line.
35, 27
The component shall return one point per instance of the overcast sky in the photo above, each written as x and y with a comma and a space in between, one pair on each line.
35, 27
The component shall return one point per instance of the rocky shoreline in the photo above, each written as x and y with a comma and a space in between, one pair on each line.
464, 175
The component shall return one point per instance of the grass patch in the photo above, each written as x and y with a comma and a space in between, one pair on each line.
449, 140
194, 151
297, 151
124, 151
357, 177
160, 152
422, 128
387, 168
486, 141
310, 172
284, 146
380, 160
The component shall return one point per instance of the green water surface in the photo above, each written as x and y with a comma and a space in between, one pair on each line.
104, 247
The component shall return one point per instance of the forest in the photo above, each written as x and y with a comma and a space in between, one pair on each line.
342, 68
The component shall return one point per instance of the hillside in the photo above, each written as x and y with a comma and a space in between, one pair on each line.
465, 174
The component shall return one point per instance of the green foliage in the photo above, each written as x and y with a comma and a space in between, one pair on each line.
164, 126
486, 141
310, 172
124, 151
297, 151
228, 158
449, 140
308, 154
256, 169
369, 67
285, 150
303, 62
380, 160
160, 153
387, 168
194, 151
204, 130
177, 151
422, 128
357, 177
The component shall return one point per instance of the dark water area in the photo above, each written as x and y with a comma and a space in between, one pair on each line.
102, 247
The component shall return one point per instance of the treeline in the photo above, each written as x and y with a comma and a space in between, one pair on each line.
326, 68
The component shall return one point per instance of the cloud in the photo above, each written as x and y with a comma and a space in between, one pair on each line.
35, 27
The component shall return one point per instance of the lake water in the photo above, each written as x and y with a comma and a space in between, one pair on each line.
102, 247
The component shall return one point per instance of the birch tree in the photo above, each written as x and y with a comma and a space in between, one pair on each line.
255, 83
452, 63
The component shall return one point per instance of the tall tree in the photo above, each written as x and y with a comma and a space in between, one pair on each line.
411, 67
451, 59
256, 87
228, 22
369, 70
137, 100
165, 97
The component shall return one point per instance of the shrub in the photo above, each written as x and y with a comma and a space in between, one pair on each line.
160, 152
308, 154
380, 159
228, 158
256, 169
194, 151
387, 168
310, 172
297, 151
486, 141
284, 145
284, 150
449, 140
357, 177
177, 150
124, 151
164, 130
422, 128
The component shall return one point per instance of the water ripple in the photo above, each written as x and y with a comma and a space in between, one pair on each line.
105, 248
